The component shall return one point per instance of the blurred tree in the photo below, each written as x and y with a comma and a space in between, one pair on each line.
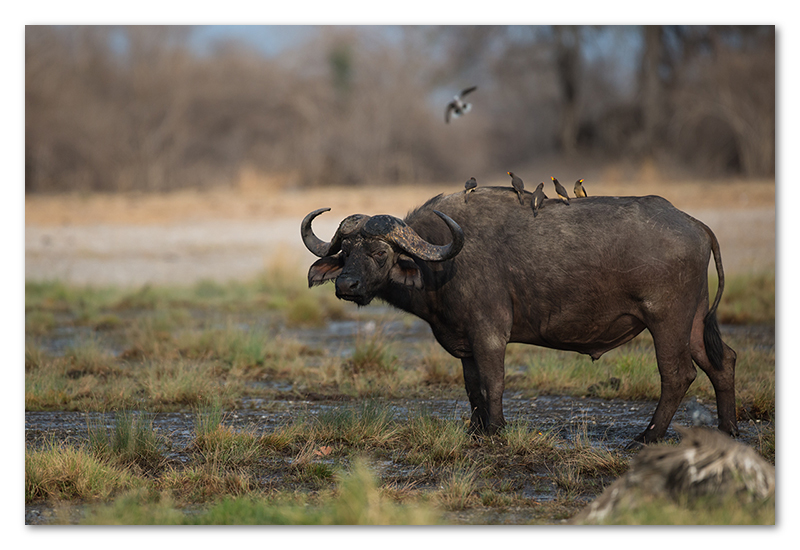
567, 55
340, 58
121, 108
723, 98
653, 89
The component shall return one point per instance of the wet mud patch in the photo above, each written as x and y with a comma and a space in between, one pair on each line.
272, 403
608, 424
612, 423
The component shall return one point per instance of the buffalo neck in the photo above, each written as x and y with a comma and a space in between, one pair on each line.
419, 301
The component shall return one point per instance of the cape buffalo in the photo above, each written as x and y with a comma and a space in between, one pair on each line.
586, 277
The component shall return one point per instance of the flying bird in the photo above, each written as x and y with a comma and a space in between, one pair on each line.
579, 190
560, 191
538, 199
517, 184
458, 107
469, 187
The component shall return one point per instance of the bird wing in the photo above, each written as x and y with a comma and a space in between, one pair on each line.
450, 107
468, 90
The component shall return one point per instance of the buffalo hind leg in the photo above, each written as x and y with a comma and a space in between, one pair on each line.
484, 381
721, 378
677, 373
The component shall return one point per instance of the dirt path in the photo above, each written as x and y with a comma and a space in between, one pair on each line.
187, 237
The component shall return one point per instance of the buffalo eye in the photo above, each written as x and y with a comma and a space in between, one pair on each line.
380, 256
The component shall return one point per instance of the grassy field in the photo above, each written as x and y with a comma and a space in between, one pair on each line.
209, 348
146, 346
214, 347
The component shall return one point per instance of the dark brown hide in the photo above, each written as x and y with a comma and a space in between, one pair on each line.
641, 262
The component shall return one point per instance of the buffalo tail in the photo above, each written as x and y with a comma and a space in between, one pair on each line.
712, 340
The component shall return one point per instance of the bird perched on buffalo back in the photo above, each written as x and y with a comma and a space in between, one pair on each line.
579, 190
458, 106
516, 182
560, 191
469, 187
538, 199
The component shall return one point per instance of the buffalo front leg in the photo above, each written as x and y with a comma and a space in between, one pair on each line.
484, 374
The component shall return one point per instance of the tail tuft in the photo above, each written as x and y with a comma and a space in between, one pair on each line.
712, 340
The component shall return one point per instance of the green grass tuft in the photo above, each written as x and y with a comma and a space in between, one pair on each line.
431, 440
130, 441
368, 423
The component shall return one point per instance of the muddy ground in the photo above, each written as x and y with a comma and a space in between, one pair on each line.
610, 424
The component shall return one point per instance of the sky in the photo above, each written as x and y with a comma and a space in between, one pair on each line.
269, 40
272, 40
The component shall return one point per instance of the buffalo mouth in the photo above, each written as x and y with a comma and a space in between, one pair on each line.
352, 289
359, 299
347, 290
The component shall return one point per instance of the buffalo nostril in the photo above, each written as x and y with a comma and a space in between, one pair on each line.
346, 284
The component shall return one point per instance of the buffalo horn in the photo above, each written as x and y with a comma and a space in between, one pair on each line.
396, 231
317, 246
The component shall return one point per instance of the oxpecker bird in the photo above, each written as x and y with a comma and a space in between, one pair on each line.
469, 187
538, 199
579, 190
458, 107
560, 191
517, 184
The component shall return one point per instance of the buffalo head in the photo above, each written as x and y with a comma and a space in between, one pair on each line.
367, 253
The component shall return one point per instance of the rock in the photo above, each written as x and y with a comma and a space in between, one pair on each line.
707, 462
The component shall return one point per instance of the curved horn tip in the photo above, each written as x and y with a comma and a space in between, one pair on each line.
444, 216
314, 244
313, 214
458, 234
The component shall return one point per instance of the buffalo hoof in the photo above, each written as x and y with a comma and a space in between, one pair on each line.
476, 429
732, 430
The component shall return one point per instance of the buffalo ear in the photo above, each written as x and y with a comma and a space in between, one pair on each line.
325, 269
406, 272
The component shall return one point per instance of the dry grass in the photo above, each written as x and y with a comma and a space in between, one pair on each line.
356, 499
269, 200
63, 472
